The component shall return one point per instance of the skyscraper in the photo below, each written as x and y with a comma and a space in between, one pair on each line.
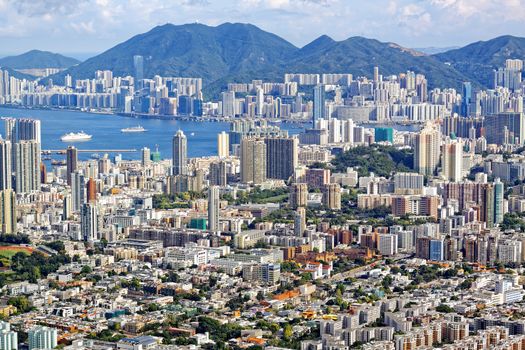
8, 338
43, 173
466, 99
452, 162
27, 156
505, 128
487, 204
104, 164
300, 221
67, 207
146, 156
387, 244
228, 103
281, 157
213, 208
499, 191
91, 190
180, 153
319, 103
253, 160
426, 149
89, 222
77, 190
298, 195
138, 65
332, 196
71, 162
223, 144
29, 129
41, 337
259, 101
376, 74
10, 129
6, 167
218, 176
7, 212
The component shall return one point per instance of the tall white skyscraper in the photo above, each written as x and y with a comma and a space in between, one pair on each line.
259, 101
213, 208
6, 167
41, 337
27, 155
223, 144
89, 222
427, 150
387, 244
452, 160
8, 338
180, 153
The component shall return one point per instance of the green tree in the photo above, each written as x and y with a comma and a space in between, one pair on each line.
21, 303
287, 332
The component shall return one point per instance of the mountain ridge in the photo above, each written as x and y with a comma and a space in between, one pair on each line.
479, 58
240, 52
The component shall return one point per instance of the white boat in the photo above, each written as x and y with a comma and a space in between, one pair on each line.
75, 136
137, 128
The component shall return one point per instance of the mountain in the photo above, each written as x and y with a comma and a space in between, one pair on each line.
235, 52
360, 55
38, 59
194, 50
478, 59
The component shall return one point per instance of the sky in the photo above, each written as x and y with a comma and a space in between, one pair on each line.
84, 27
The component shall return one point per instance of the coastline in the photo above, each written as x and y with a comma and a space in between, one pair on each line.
154, 116
299, 122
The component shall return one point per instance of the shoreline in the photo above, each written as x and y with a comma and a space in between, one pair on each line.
300, 123
155, 116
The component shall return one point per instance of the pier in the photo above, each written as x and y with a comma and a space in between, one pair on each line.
63, 151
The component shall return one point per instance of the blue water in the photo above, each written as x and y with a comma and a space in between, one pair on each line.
105, 128
107, 135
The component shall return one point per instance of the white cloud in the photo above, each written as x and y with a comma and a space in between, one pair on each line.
485, 10
96, 25
84, 27
415, 18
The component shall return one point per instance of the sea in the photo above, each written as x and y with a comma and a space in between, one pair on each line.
107, 135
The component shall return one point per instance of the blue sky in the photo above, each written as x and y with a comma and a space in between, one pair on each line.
92, 26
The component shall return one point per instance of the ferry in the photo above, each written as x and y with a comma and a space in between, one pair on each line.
72, 136
137, 128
